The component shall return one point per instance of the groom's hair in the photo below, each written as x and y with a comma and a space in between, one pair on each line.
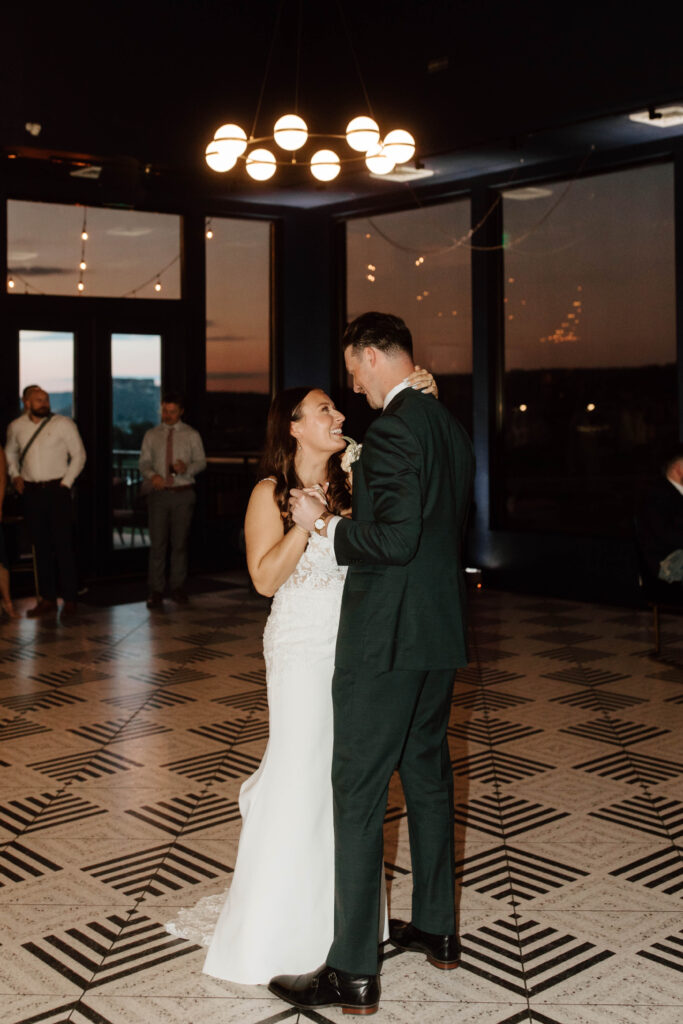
382, 331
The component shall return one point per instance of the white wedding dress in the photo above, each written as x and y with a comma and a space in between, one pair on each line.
277, 916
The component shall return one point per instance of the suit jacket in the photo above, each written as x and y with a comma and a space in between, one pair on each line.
404, 598
660, 523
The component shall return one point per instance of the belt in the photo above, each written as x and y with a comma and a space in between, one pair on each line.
43, 483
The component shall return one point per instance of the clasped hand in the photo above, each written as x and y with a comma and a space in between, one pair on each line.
307, 505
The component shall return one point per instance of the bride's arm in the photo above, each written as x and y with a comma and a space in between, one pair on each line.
272, 554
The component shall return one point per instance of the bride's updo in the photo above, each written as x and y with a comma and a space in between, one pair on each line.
280, 449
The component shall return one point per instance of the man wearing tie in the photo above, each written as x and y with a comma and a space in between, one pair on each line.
171, 456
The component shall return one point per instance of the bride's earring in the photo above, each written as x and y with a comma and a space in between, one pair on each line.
298, 446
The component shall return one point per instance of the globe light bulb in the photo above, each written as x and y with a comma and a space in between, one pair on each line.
209, 233
10, 282
260, 164
399, 145
233, 137
377, 161
84, 236
325, 165
220, 156
362, 133
157, 286
80, 286
290, 132
83, 265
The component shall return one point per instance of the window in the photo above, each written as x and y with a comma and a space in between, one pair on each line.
237, 332
127, 253
590, 348
416, 264
46, 358
136, 382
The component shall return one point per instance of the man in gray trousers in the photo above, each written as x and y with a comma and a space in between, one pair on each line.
171, 456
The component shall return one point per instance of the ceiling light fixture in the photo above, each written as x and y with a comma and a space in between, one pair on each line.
660, 117
290, 134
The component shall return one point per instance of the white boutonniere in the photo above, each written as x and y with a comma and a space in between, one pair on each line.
353, 450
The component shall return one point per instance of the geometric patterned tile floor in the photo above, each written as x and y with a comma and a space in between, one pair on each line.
124, 739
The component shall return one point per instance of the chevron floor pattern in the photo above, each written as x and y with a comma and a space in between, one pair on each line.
125, 738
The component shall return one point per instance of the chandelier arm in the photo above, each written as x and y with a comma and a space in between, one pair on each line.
267, 67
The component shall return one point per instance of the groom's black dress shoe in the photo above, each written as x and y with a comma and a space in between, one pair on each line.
442, 951
355, 993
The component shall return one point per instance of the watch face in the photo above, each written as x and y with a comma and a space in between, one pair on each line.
319, 524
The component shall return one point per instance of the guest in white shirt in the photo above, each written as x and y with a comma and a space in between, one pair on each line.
45, 455
171, 456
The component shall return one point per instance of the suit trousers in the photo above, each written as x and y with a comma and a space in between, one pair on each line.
169, 516
49, 516
384, 721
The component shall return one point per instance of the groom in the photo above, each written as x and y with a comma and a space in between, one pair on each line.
401, 637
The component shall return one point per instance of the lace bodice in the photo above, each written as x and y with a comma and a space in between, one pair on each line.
316, 569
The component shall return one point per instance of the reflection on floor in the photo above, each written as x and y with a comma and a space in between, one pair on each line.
124, 740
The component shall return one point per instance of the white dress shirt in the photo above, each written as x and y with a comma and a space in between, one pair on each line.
56, 454
187, 446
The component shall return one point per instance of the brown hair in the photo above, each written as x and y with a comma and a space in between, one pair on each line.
280, 449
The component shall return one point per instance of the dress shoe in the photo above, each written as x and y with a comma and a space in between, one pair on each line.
69, 611
442, 951
42, 608
180, 597
155, 600
355, 993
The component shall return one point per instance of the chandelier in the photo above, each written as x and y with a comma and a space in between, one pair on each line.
290, 133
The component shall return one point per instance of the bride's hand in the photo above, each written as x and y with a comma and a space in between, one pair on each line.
423, 380
306, 506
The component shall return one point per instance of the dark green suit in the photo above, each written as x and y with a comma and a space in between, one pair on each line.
401, 637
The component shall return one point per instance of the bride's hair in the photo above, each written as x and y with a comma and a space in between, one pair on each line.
280, 449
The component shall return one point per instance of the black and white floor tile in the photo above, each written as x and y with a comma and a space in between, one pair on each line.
124, 740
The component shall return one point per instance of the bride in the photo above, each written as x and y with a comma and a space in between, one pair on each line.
277, 916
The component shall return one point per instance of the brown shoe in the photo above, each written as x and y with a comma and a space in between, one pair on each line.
69, 611
42, 608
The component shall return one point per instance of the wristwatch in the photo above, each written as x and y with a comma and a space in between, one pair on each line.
319, 524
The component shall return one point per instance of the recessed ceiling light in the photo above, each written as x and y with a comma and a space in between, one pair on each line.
90, 171
530, 192
660, 117
404, 174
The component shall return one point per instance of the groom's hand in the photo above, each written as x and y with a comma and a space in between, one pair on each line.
305, 508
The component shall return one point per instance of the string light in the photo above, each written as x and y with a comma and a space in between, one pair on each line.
209, 229
157, 286
10, 282
84, 238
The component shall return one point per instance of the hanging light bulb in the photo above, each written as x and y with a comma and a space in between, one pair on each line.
220, 156
80, 286
157, 286
325, 165
10, 282
377, 161
82, 265
260, 164
84, 235
233, 138
399, 145
362, 133
209, 233
290, 132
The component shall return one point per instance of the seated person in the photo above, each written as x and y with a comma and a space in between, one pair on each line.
660, 524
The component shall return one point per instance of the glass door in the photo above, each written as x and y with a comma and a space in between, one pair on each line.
135, 401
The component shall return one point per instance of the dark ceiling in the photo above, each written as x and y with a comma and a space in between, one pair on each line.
145, 85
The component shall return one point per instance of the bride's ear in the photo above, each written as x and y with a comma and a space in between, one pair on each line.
295, 429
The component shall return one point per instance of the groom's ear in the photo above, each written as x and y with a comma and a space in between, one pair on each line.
370, 355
